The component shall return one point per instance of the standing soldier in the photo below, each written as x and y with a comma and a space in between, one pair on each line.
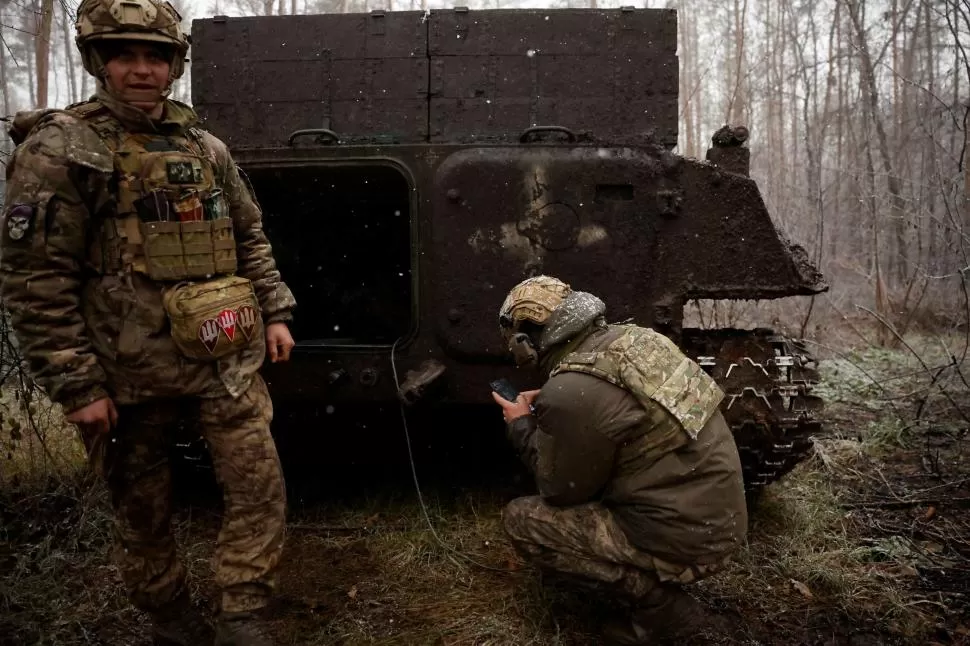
143, 290
640, 485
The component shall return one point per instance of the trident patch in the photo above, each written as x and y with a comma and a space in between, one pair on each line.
248, 317
227, 321
209, 334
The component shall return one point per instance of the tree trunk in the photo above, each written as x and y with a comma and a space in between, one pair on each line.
839, 125
3, 77
928, 150
43, 50
71, 70
896, 270
700, 138
686, 79
735, 111
871, 102
778, 87
30, 62
823, 136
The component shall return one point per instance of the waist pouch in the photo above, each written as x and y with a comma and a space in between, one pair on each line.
213, 319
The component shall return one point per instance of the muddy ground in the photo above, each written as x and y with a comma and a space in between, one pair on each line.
867, 543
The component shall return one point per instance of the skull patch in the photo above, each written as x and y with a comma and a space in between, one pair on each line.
18, 221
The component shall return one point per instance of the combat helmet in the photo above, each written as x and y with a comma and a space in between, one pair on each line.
153, 21
534, 299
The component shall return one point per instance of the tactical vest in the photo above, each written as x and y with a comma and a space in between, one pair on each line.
171, 219
171, 223
654, 370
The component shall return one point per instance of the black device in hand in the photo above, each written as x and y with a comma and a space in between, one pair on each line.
505, 389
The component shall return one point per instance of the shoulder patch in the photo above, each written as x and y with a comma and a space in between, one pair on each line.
17, 222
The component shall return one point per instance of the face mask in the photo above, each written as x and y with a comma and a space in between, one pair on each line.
522, 350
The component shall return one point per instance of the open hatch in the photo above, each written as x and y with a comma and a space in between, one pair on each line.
341, 235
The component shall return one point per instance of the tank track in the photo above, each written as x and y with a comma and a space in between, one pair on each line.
769, 405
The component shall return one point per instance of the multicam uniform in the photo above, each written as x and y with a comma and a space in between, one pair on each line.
639, 478
135, 267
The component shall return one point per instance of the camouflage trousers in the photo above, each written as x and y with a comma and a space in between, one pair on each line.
585, 544
136, 468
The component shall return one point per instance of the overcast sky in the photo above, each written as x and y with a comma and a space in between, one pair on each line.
205, 8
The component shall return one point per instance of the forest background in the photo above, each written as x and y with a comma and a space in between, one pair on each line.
858, 113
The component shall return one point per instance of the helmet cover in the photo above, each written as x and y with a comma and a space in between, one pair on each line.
534, 299
150, 21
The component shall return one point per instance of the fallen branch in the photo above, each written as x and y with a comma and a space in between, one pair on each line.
943, 391
903, 503
888, 397
349, 529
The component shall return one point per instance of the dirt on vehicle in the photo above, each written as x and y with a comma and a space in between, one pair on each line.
413, 166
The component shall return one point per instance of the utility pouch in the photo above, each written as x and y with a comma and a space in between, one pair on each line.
189, 207
213, 319
223, 246
214, 205
197, 246
153, 207
162, 245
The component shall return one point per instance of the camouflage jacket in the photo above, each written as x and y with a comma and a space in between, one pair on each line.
676, 498
87, 333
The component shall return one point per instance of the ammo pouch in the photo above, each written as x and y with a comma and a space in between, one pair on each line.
212, 319
191, 249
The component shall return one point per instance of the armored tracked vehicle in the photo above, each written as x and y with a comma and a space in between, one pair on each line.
413, 166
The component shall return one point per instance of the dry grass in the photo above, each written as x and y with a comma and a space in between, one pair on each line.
372, 572
806, 553
36, 442
369, 571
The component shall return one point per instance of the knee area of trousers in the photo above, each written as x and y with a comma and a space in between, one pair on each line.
516, 515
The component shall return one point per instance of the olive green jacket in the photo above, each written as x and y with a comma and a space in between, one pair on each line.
678, 499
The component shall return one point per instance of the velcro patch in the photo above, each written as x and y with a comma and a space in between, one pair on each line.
209, 334
183, 172
18, 221
248, 318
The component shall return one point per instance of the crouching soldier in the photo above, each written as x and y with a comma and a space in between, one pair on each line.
640, 485
142, 289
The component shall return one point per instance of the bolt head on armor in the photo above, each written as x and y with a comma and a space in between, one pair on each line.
533, 299
149, 21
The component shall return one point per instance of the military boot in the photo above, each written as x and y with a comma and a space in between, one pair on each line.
666, 614
180, 624
241, 629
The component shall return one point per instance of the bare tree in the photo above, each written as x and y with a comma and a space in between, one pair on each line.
69, 56
42, 36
